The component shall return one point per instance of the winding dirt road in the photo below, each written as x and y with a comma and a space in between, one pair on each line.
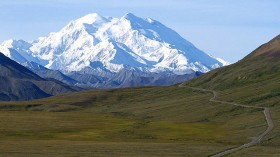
255, 140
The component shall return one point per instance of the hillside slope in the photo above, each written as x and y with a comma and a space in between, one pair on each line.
260, 66
19, 83
254, 81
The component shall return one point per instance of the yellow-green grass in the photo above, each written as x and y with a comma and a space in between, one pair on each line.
254, 82
61, 148
150, 121
258, 151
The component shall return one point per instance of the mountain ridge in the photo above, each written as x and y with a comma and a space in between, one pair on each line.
19, 83
105, 47
270, 49
144, 44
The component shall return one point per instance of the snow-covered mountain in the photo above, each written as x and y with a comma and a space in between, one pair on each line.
97, 51
113, 44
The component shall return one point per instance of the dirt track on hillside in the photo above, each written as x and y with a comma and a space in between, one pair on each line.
255, 140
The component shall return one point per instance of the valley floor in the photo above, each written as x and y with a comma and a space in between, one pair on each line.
150, 121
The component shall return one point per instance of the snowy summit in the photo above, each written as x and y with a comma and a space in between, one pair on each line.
112, 45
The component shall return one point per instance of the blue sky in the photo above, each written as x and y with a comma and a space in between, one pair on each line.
227, 29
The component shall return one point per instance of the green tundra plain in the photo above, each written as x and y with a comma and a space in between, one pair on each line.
148, 121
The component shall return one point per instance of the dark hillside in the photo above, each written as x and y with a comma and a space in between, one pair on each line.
19, 83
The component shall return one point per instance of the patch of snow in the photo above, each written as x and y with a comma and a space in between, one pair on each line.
225, 63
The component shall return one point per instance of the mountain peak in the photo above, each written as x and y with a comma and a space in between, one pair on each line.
130, 16
128, 42
91, 18
150, 20
16, 44
8, 43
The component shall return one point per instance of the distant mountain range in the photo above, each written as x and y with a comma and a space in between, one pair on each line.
106, 52
19, 83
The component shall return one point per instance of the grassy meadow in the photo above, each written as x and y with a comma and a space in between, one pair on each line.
148, 121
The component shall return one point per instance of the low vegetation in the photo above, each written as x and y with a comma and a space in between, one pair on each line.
255, 81
150, 121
